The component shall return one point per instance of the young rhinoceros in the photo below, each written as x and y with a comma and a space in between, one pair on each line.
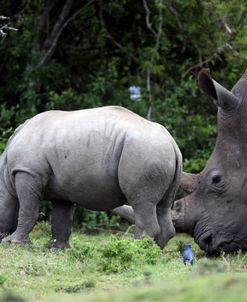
97, 158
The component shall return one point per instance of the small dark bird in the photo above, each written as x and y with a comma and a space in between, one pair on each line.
188, 255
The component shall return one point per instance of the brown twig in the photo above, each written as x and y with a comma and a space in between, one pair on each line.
148, 23
220, 49
5, 27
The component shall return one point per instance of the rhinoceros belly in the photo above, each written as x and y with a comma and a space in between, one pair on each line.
88, 187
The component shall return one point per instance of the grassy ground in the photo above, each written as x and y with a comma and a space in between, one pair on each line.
109, 267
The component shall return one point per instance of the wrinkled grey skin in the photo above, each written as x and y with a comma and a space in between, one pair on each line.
215, 213
97, 158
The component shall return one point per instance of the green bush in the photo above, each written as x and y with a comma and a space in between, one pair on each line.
80, 251
119, 254
122, 254
95, 221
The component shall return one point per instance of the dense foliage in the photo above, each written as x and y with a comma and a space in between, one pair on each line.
74, 54
102, 47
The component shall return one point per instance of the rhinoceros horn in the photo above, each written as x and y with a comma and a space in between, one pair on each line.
189, 181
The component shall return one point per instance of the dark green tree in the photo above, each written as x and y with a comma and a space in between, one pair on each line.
73, 54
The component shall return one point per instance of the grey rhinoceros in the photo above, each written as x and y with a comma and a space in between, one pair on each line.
97, 158
215, 213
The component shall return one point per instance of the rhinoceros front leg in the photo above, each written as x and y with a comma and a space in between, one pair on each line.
29, 195
61, 223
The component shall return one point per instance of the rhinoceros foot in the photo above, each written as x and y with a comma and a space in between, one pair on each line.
54, 244
13, 239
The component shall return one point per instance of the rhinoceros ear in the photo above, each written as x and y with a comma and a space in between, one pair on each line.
240, 88
189, 181
225, 99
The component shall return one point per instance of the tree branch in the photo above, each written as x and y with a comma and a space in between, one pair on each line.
220, 49
174, 12
4, 26
63, 20
156, 48
148, 23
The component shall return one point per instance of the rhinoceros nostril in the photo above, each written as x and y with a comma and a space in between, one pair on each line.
208, 239
206, 242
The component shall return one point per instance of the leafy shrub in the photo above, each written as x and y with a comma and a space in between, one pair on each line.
66, 100
44, 211
121, 254
180, 246
80, 251
92, 221
42, 229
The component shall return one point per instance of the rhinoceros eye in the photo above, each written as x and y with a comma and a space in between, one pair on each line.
216, 179
217, 183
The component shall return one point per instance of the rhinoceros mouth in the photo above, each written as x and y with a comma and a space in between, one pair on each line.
213, 244
205, 241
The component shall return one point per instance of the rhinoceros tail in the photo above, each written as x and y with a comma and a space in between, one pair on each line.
172, 191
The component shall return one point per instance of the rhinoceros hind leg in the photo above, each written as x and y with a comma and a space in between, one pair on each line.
164, 216
146, 219
138, 233
167, 229
29, 196
13, 239
61, 223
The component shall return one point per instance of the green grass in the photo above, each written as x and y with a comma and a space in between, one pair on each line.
109, 267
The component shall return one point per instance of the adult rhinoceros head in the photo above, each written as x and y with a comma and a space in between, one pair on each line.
215, 213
